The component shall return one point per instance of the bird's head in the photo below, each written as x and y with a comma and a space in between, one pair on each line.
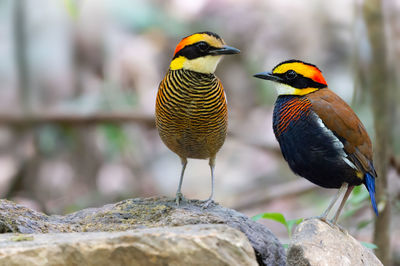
294, 77
200, 52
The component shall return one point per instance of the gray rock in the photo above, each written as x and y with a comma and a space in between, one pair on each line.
317, 243
143, 213
182, 245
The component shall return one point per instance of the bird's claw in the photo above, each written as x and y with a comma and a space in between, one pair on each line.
206, 203
335, 225
322, 219
179, 198
331, 223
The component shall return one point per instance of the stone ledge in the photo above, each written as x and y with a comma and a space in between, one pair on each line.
182, 245
141, 214
317, 243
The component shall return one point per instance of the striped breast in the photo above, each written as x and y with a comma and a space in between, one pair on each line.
311, 149
191, 113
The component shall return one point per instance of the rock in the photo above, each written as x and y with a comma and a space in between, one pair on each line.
143, 213
182, 245
317, 243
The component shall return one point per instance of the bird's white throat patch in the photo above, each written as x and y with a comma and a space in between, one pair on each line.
206, 64
284, 89
335, 141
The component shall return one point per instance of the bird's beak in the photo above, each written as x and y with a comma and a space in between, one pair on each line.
267, 76
225, 50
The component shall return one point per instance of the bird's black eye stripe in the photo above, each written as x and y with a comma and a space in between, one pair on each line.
203, 46
296, 80
290, 74
195, 50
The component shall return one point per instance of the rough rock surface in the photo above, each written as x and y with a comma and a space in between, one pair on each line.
182, 245
142, 213
317, 243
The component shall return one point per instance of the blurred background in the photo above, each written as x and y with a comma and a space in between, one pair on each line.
78, 81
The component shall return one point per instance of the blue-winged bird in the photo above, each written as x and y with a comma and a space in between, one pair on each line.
320, 136
191, 111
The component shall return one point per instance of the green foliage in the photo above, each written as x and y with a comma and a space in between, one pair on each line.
53, 138
369, 245
289, 224
72, 8
117, 140
278, 217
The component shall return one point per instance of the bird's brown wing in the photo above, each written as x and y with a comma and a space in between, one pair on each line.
338, 116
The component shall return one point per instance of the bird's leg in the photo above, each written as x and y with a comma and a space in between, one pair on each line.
179, 196
345, 197
210, 200
324, 215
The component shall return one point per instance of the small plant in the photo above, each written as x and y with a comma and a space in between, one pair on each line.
278, 217
289, 224
369, 245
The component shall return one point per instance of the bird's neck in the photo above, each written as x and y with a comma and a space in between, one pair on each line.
191, 81
194, 75
283, 99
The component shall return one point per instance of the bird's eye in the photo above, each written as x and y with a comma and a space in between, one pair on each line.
203, 46
291, 74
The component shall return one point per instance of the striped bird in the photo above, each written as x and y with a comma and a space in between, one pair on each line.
320, 136
191, 111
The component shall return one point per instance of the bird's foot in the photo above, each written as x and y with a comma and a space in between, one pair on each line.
207, 203
179, 198
322, 219
331, 223
342, 229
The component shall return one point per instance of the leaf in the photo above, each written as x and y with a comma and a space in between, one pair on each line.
285, 246
257, 217
369, 245
292, 223
276, 216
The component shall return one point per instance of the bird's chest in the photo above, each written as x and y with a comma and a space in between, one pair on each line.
291, 114
311, 149
196, 97
298, 128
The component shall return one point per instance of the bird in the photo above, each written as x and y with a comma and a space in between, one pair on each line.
319, 135
191, 108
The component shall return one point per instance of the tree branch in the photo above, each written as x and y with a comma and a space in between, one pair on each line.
15, 120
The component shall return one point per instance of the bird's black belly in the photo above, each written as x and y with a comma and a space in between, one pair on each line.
310, 150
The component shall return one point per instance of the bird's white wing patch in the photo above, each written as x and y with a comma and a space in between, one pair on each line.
336, 142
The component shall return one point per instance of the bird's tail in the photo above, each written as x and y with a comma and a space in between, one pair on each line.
370, 184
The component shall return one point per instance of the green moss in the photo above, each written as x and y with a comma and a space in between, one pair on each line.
18, 238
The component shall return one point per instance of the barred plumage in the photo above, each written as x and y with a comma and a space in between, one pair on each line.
191, 112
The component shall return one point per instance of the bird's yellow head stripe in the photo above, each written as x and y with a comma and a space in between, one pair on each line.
198, 37
308, 71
